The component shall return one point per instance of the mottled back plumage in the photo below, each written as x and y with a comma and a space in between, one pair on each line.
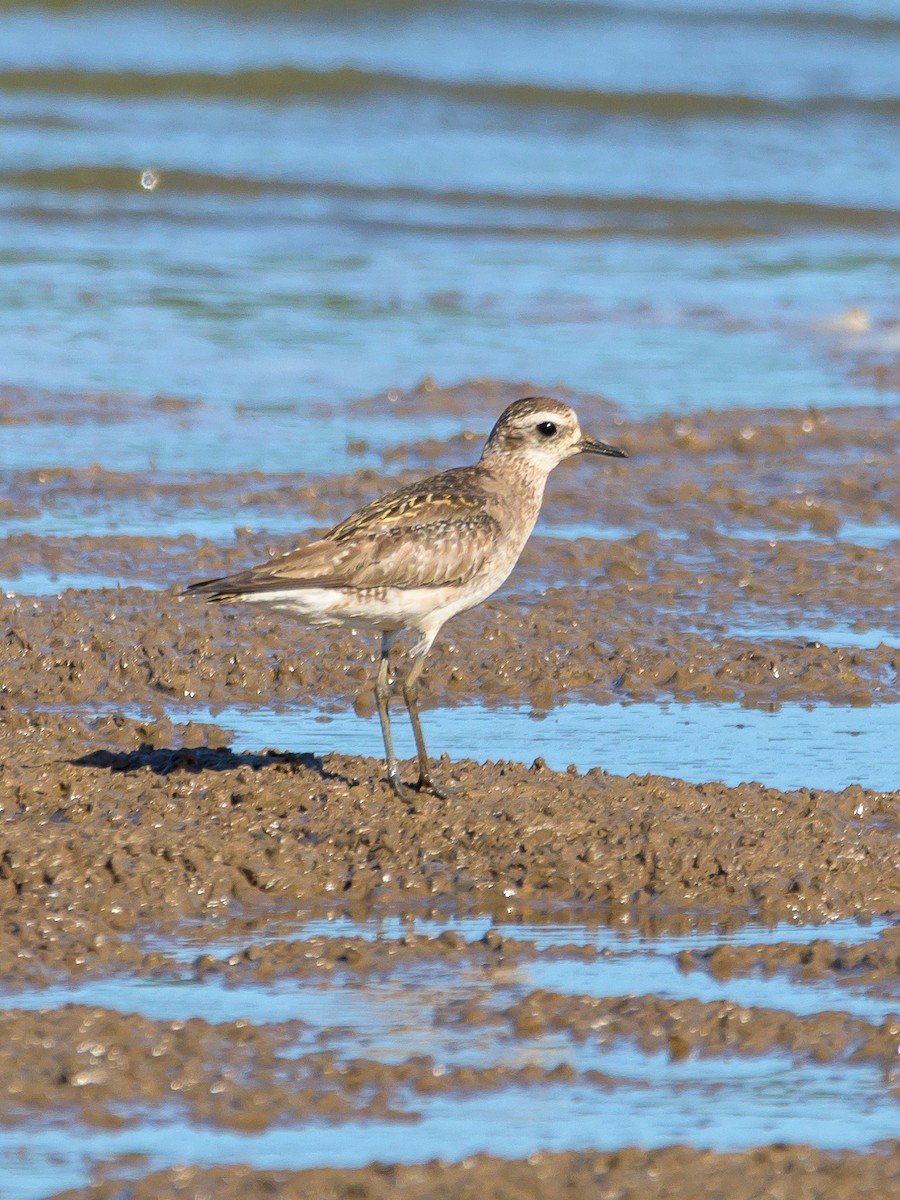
433, 533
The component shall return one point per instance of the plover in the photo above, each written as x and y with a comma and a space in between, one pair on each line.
415, 557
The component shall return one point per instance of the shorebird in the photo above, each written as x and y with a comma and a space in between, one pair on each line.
415, 557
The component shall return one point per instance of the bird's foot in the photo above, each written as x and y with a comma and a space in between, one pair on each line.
444, 791
425, 783
402, 790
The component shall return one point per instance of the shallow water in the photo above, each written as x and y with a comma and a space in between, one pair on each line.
828, 633
134, 519
826, 746
40, 582
543, 935
69, 517
770, 1100
344, 199
386, 1017
725, 1103
638, 949
879, 533
876, 534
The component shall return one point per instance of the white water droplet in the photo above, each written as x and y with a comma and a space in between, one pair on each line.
149, 180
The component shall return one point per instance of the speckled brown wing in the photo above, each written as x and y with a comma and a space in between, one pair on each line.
432, 534
451, 495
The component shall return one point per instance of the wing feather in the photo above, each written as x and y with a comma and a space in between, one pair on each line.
433, 534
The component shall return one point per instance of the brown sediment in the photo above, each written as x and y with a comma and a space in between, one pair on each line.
118, 827
141, 648
677, 1027
309, 957
873, 964
730, 520
784, 470
688, 1027
673, 1173
32, 405
142, 830
104, 1067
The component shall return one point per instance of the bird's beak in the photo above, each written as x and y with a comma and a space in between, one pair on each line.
590, 445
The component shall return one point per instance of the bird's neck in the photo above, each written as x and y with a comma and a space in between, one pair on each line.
519, 481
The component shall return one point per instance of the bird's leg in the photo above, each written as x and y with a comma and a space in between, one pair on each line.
410, 694
382, 695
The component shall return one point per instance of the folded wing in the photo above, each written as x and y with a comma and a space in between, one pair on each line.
420, 540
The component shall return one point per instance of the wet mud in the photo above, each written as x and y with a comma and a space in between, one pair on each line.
671, 1174
150, 826
93, 650
126, 823
874, 963
104, 1068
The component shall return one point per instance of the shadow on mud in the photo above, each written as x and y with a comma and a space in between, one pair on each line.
165, 760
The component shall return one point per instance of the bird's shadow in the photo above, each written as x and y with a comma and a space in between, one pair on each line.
163, 760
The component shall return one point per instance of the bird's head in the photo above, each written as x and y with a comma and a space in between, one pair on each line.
542, 432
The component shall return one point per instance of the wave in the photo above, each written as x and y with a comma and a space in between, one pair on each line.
559, 215
284, 84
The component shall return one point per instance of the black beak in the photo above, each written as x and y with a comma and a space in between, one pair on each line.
590, 445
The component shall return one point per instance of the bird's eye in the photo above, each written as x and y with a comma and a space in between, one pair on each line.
546, 429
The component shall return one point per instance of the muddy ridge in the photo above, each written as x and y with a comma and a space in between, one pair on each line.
105, 650
675, 1173
146, 830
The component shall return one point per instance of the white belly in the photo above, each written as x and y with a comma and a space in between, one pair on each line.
385, 608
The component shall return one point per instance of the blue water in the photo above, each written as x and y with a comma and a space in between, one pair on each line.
614, 197
828, 632
383, 1018
825, 746
547, 934
769, 1102
726, 1102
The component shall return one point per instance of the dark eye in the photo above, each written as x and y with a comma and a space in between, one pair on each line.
546, 429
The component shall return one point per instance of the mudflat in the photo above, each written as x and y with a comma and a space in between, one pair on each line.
744, 559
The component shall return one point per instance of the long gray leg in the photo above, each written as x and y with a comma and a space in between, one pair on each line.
410, 695
382, 696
